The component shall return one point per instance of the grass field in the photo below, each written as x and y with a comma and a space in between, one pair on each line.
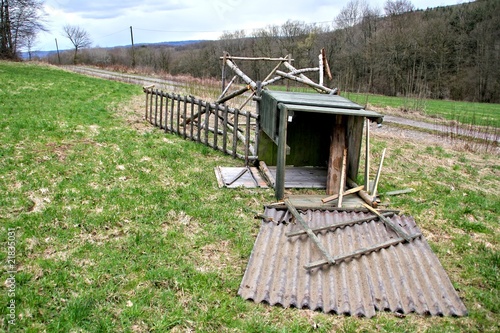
468, 113
118, 227
482, 114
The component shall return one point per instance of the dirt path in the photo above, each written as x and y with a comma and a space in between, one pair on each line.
437, 133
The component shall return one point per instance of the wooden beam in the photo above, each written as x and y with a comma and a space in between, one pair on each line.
377, 177
256, 58
367, 156
309, 232
342, 179
362, 194
307, 82
332, 227
240, 73
337, 146
327, 66
281, 154
362, 251
335, 196
396, 228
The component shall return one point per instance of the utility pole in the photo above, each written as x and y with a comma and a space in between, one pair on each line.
133, 49
58, 55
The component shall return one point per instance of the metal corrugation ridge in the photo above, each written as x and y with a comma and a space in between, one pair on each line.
404, 278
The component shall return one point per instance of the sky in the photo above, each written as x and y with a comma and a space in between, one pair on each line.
108, 22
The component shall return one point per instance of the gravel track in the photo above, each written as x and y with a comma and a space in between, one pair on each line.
437, 132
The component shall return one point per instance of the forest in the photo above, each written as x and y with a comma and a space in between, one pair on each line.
449, 52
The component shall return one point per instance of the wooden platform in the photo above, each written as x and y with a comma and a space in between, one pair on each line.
303, 177
233, 177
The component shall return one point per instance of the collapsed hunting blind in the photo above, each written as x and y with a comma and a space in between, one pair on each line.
306, 129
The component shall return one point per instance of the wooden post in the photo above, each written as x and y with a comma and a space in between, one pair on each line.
337, 146
377, 177
342, 179
281, 155
367, 157
321, 72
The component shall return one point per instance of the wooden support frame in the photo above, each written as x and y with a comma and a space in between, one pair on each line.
332, 260
309, 232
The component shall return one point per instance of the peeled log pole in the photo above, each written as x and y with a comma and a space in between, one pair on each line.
257, 58
294, 72
362, 194
233, 95
240, 73
307, 82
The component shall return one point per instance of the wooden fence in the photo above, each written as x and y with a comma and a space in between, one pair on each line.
232, 131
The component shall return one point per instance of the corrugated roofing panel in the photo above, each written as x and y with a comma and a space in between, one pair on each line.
312, 99
404, 278
332, 110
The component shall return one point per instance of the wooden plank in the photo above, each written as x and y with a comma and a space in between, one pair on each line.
342, 179
184, 115
207, 122
332, 227
224, 125
172, 114
256, 58
311, 235
362, 194
335, 196
241, 173
281, 155
161, 111
337, 146
235, 132
396, 228
198, 128
362, 251
156, 107
166, 111
398, 192
216, 126
377, 176
367, 156
191, 125
267, 173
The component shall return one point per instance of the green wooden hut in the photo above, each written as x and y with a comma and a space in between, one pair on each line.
309, 129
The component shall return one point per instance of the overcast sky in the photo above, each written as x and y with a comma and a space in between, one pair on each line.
108, 21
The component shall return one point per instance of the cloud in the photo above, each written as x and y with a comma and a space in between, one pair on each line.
98, 9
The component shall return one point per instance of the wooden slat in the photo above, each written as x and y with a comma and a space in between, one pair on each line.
332, 227
309, 232
335, 196
362, 251
396, 228
337, 146
342, 179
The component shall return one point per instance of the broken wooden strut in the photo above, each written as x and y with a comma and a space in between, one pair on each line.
332, 260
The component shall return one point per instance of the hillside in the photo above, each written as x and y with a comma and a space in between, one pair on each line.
446, 52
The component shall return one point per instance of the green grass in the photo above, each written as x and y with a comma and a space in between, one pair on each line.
469, 113
483, 114
122, 228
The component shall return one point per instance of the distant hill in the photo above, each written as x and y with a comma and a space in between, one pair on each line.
44, 54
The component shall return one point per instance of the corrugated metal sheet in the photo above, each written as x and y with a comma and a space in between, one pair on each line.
404, 278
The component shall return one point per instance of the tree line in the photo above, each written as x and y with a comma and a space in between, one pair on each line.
449, 52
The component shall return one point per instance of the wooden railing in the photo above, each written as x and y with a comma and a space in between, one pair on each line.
232, 131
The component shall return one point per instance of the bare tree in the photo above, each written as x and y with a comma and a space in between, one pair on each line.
78, 36
20, 22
